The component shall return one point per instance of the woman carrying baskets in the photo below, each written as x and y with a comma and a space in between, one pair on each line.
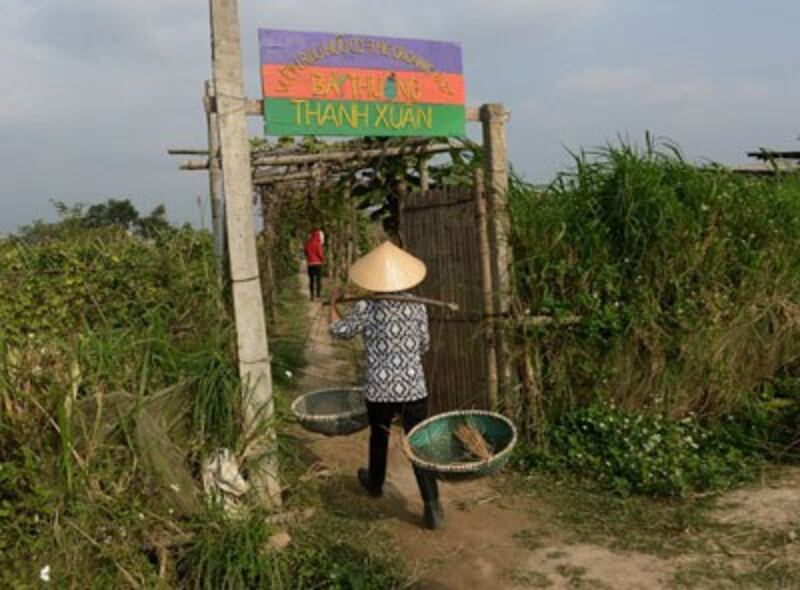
395, 335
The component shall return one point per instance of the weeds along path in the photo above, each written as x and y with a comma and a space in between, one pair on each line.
509, 533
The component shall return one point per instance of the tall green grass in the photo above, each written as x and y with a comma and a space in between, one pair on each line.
95, 324
230, 554
685, 281
117, 377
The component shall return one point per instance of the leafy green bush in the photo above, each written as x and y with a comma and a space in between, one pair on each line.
769, 421
97, 322
682, 282
628, 452
104, 279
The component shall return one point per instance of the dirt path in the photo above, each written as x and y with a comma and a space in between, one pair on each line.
474, 545
526, 538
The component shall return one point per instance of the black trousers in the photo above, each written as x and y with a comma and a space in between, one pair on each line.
380, 421
315, 280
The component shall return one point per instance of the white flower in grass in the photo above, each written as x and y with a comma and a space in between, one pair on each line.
44, 574
288, 374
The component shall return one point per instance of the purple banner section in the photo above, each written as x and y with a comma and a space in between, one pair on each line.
358, 51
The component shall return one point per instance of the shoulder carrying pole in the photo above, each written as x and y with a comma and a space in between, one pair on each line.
403, 298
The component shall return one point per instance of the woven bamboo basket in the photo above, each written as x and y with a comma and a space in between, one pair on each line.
434, 446
334, 412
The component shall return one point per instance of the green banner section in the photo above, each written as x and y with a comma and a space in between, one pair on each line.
333, 117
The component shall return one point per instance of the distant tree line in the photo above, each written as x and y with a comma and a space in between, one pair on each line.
119, 213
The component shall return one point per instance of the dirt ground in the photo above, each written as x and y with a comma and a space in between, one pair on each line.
509, 533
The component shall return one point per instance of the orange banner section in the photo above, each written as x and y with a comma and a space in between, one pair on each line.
319, 83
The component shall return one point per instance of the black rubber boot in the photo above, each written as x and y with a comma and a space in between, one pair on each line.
434, 515
363, 479
429, 489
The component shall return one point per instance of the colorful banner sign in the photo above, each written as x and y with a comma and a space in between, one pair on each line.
331, 84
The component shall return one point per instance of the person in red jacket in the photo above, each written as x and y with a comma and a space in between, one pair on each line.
315, 257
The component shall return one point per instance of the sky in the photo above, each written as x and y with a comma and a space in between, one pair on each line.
93, 92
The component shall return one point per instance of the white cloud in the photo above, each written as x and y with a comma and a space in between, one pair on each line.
424, 17
658, 86
756, 91
709, 113
603, 80
648, 85
501, 16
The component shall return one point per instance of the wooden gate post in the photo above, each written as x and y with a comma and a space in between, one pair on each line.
248, 304
214, 188
493, 118
486, 288
424, 173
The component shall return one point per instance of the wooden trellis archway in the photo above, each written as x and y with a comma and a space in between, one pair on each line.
277, 170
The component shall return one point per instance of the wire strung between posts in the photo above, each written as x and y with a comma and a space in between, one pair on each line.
238, 109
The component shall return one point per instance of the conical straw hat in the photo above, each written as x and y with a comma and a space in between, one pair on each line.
387, 269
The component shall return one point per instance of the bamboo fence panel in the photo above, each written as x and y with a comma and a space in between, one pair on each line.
440, 227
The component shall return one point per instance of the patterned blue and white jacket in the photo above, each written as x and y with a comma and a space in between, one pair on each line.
395, 335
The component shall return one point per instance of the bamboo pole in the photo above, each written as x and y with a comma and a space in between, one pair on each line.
333, 156
261, 177
194, 165
248, 304
214, 183
191, 151
424, 174
401, 200
352, 144
402, 298
268, 237
493, 118
532, 402
350, 222
355, 154
486, 287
